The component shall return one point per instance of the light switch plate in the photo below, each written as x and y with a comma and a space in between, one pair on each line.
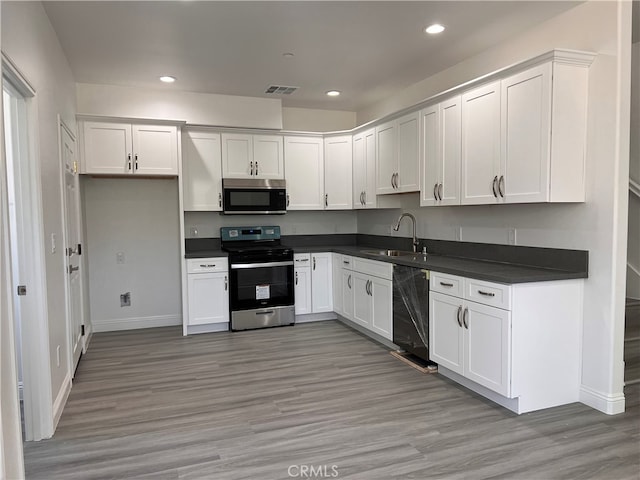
120, 258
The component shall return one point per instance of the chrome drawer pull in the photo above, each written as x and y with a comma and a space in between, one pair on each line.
207, 266
459, 312
448, 285
486, 294
465, 318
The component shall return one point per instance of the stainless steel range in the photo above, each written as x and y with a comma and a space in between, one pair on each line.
261, 292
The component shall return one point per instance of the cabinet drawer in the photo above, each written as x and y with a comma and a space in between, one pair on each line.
207, 265
346, 262
302, 259
488, 293
448, 284
371, 267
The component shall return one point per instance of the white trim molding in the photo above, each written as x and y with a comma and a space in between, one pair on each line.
61, 400
609, 404
133, 323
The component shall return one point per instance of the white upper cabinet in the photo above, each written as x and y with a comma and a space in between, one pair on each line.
480, 144
397, 145
440, 163
252, 156
304, 167
338, 162
201, 171
112, 148
364, 169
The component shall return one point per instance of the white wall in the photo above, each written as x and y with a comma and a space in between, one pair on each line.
293, 223
599, 225
633, 239
170, 104
31, 43
138, 217
314, 120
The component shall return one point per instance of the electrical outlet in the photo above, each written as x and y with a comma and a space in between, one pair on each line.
120, 258
512, 236
125, 299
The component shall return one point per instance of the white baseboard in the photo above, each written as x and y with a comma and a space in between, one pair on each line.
609, 404
210, 328
61, 400
116, 324
316, 317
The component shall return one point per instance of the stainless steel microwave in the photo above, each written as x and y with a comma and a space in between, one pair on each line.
250, 196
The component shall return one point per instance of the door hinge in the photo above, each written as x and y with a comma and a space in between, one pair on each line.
22, 290
82, 330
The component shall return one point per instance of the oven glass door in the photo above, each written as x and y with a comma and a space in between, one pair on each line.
254, 200
266, 285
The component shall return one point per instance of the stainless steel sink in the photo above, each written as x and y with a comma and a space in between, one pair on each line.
388, 253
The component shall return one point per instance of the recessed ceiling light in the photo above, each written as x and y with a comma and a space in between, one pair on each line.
435, 28
288, 55
167, 79
333, 93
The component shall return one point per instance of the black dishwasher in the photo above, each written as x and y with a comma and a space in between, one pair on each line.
411, 310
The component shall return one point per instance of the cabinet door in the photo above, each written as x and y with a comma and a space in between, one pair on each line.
408, 177
304, 171
361, 299
155, 149
359, 171
370, 157
487, 346
449, 164
526, 130
382, 306
237, 155
347, 294
201, 171
108, 148
445, 333
387, 152
208, 298
321, 283
430, 161
336, 275
268, 156
302, 290
338, 159
480, 169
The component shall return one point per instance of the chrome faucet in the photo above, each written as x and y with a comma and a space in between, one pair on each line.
414, 239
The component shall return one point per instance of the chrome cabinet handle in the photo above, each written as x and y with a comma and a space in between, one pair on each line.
458, 315
364, 197
501, 186
256, 167
73, 269
288, 199
361, 198
486, 294
435, 192
212, 265
296, 278
302, 260
493, 186
219, 199
446, 284
392, 185
251, 166
440, 191
136, 162
326, 199
226, 283
345, 262
349, 282
314, 263
129, 162
397, 181
465, 317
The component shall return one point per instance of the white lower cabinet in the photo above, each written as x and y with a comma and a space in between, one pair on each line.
302, 290
313, 279
368, 296
336, 275
518, 345
207, 291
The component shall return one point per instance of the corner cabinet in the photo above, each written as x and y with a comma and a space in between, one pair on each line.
371, 287
397, 147
338, 162
495, 339
201, 171
252, 156
115, 148
304, 167
208, 291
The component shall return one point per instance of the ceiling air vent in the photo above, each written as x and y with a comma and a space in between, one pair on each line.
280, 90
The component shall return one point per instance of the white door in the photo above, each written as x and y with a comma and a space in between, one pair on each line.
387, 160
208, 295
450, 138
268, 156
237, 155
155, 149
338, 159
430, 161
108, 148
302, 290
526, 114
382, 306
201, 171
304, 171
321, 283
446, 331
361, 299
480, 169
487, 346
408, 178
73, 250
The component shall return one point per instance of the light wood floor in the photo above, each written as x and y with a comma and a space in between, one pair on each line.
153, 404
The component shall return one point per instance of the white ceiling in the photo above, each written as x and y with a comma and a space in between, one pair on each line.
367, 50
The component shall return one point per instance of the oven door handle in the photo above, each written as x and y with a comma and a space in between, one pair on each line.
260, 265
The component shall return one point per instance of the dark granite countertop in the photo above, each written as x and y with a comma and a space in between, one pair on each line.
205, 254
